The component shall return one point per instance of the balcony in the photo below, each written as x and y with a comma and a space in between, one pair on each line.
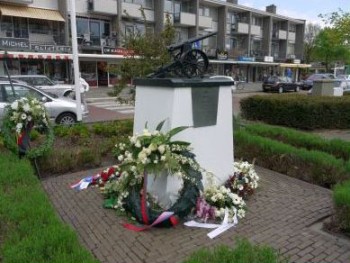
103, 6
282, 34
242, 28
185, 19
255, 30
133, 10
291, 37
205, 21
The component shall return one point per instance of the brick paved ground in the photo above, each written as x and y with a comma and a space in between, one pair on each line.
282, 214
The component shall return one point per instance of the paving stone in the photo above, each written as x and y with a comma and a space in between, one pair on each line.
279, 214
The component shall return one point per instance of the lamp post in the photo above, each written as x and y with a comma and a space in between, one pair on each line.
75, 59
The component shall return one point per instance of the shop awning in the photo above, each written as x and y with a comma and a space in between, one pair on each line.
294, 65
31, 12
36, 55
257, 63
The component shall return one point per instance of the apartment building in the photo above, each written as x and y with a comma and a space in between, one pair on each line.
249, 42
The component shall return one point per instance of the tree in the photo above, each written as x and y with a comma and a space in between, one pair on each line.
149, 51
339, 21
311, 32
329, 48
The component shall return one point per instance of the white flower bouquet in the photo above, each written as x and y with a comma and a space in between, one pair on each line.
25, 112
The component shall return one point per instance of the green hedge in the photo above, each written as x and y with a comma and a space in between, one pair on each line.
30, 230
311, 166
299, 111
337, 148
341, 197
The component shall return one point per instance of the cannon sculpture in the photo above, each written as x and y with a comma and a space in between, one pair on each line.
187, 62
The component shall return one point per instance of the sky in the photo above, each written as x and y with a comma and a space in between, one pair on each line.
301, 9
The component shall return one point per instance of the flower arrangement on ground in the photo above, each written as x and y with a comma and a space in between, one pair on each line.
218, 202
151, 153
125, 184
244, 179
22, 116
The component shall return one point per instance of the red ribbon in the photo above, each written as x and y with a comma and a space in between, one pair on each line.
20, 138
163, 216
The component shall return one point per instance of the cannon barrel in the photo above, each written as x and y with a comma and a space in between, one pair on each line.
190, 40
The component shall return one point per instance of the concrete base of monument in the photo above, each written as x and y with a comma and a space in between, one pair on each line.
204, 105
164, 188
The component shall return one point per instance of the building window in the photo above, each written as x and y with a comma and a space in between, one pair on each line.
20, 26
38, 26
292, 28
7, 26
168, 6
92, 30
204, 11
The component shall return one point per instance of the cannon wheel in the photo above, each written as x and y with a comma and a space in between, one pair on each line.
194, 63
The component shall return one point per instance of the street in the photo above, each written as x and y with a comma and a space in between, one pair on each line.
105, 108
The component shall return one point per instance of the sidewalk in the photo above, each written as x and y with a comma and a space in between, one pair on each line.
283, 213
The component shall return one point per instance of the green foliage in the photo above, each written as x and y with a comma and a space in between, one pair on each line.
340, 21
116, 128
342, 194
29, 227
299, 139
299, 111
308, 165
80, 130
341, 197
149, 52
330, 48
77, 148
243, 252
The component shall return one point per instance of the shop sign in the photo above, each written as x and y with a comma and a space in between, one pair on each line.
268, 59
51, 48
243, 58
296, 61
19, 43
118, 51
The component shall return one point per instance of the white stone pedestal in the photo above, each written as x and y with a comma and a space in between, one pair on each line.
171, 100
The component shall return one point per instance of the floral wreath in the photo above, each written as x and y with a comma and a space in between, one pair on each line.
125, 185
22, 116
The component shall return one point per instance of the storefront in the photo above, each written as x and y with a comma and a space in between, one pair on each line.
97, 69
56, 66
251, 71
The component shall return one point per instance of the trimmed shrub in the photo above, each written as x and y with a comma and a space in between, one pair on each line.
341, 198
30, 230
312, 166
243, 252
299, 111
337, 148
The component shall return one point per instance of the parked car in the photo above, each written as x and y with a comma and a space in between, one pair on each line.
61, 110
44, 83
233, 87
344, 76
308, 83
279, 84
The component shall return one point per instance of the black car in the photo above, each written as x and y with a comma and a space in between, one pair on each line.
309, 82
279, 84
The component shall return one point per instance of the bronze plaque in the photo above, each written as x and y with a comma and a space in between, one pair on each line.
205, 106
